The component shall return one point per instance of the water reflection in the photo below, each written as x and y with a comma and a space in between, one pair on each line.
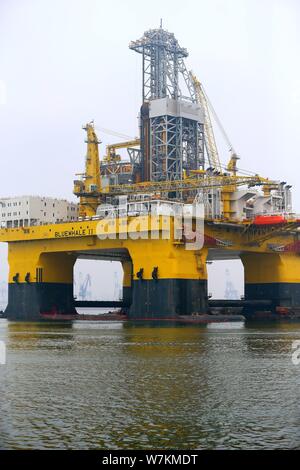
33, 336
109, 385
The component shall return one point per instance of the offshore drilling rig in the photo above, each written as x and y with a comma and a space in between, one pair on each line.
128, 211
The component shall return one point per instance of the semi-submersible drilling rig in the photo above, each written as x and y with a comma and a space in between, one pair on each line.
174, 162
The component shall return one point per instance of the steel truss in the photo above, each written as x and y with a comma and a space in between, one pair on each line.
176, 142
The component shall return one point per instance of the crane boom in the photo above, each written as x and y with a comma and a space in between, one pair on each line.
209, 138
113, 133
216, 118
111, 148
88, 187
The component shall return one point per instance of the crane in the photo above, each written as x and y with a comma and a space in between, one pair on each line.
114, 133
111, 149
198, 182
210, 141
89, 186
230, 291
83, 288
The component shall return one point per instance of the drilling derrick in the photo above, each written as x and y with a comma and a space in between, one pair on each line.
171, 123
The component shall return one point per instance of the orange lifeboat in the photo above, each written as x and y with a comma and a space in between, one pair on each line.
269, 220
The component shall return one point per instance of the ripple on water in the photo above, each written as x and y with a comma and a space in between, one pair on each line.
91, 386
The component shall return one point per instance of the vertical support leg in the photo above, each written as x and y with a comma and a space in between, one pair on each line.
127, 282
167, 280
273, 276
39, 283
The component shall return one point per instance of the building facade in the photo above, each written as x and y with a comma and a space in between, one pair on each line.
35, 210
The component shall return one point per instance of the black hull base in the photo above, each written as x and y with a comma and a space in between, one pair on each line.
28, 301
165, 298
162, 298
284, 294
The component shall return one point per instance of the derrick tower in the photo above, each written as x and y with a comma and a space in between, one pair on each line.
171, 120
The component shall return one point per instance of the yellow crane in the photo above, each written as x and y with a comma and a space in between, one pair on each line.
88, 188
211, 145
111, 149
210, 141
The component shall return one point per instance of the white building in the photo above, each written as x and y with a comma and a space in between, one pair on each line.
35, 210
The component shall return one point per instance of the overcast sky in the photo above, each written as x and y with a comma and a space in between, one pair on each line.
65, 62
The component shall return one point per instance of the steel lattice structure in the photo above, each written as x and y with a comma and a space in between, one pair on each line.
162, 62
176, 134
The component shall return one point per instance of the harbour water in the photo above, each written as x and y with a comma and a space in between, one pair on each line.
91, 385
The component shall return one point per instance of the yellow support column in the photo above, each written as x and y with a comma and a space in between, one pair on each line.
273, 276
227, 192
38, 282
127, 282
168, 280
